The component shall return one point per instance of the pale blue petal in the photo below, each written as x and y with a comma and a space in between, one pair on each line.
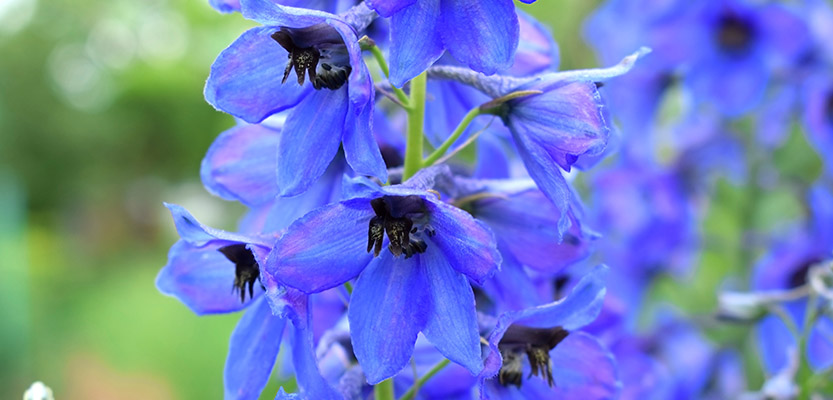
253, 347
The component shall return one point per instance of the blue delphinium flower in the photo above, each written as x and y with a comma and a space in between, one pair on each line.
571, 364
420, 284
331, 6
818, 116
557, 118
481, 34
249, 80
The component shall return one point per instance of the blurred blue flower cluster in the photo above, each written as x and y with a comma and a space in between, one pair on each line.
416, 172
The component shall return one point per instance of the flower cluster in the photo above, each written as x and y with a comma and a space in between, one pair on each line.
414, 230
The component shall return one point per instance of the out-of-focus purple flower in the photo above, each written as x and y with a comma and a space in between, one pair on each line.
249, 81
419, 285
481, 34
818, 115
542, 341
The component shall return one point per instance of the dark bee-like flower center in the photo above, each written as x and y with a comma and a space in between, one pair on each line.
734, 34
246, 270
327, 62
536, 343
398, 224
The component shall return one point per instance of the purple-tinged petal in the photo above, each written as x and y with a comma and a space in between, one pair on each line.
201, 278
511, 286
537, 51
198, 235
467, 244
416, 40
482, 34
311, 383
360, 147
310, 140
547, 175
566, 121
733, 85
386, 8
225, 6
452, 324
821, 202
253, 347
240, 165
389, 306
323, 249
360, 85
785, 32
245, 79
271, 13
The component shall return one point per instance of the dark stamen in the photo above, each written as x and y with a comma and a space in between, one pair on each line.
304, 60
733, 33
398, 229
246, 270
536, 343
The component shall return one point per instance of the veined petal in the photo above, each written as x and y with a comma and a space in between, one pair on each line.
467, 244
271, 13
360, 147
416, 42
323, 249
310, 139
452, 324
201, 278
389, 306
245, 79
197, 234
386, 8
253, 347
241, 163
566, 121
482, 34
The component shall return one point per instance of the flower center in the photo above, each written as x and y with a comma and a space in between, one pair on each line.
395, 217
246, 270
536, 343
733, 33
327, 63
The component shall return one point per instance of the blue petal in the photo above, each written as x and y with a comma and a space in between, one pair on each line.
467, 244
547, 175
225, 6
452, 324
565, 122
245, 79
240, 165
386, 8
482, 34
733, 85
325, 248
197, 234
253, 347
416, 41
389, 306
360, 84
282, 395
311, 383
360, 146
201, 278
270, 13
310, 139
537, 51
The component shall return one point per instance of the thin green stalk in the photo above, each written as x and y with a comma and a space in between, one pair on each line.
416, 117
413, 390
349, 287
458, 131
380, 58
384, 390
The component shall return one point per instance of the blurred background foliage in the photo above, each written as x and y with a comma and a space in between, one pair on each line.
102, 118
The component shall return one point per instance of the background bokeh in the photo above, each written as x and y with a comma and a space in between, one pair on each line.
101, 119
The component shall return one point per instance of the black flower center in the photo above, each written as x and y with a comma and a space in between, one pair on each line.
798, 277
327, 62
246, 270
395, 217
536, 343
734, 34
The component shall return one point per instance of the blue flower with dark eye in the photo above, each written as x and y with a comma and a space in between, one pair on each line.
481, 34
419, 283
250, 80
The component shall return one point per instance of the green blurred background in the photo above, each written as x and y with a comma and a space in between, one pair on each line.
101, 119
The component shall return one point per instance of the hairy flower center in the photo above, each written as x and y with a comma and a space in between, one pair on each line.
246, 270
327, 63
733, 33
395, 217
536, 343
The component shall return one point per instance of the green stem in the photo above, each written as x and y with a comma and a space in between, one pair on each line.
384, 390
380, 58
461, 127
416, 117
805, 372
413, 390
349, 287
